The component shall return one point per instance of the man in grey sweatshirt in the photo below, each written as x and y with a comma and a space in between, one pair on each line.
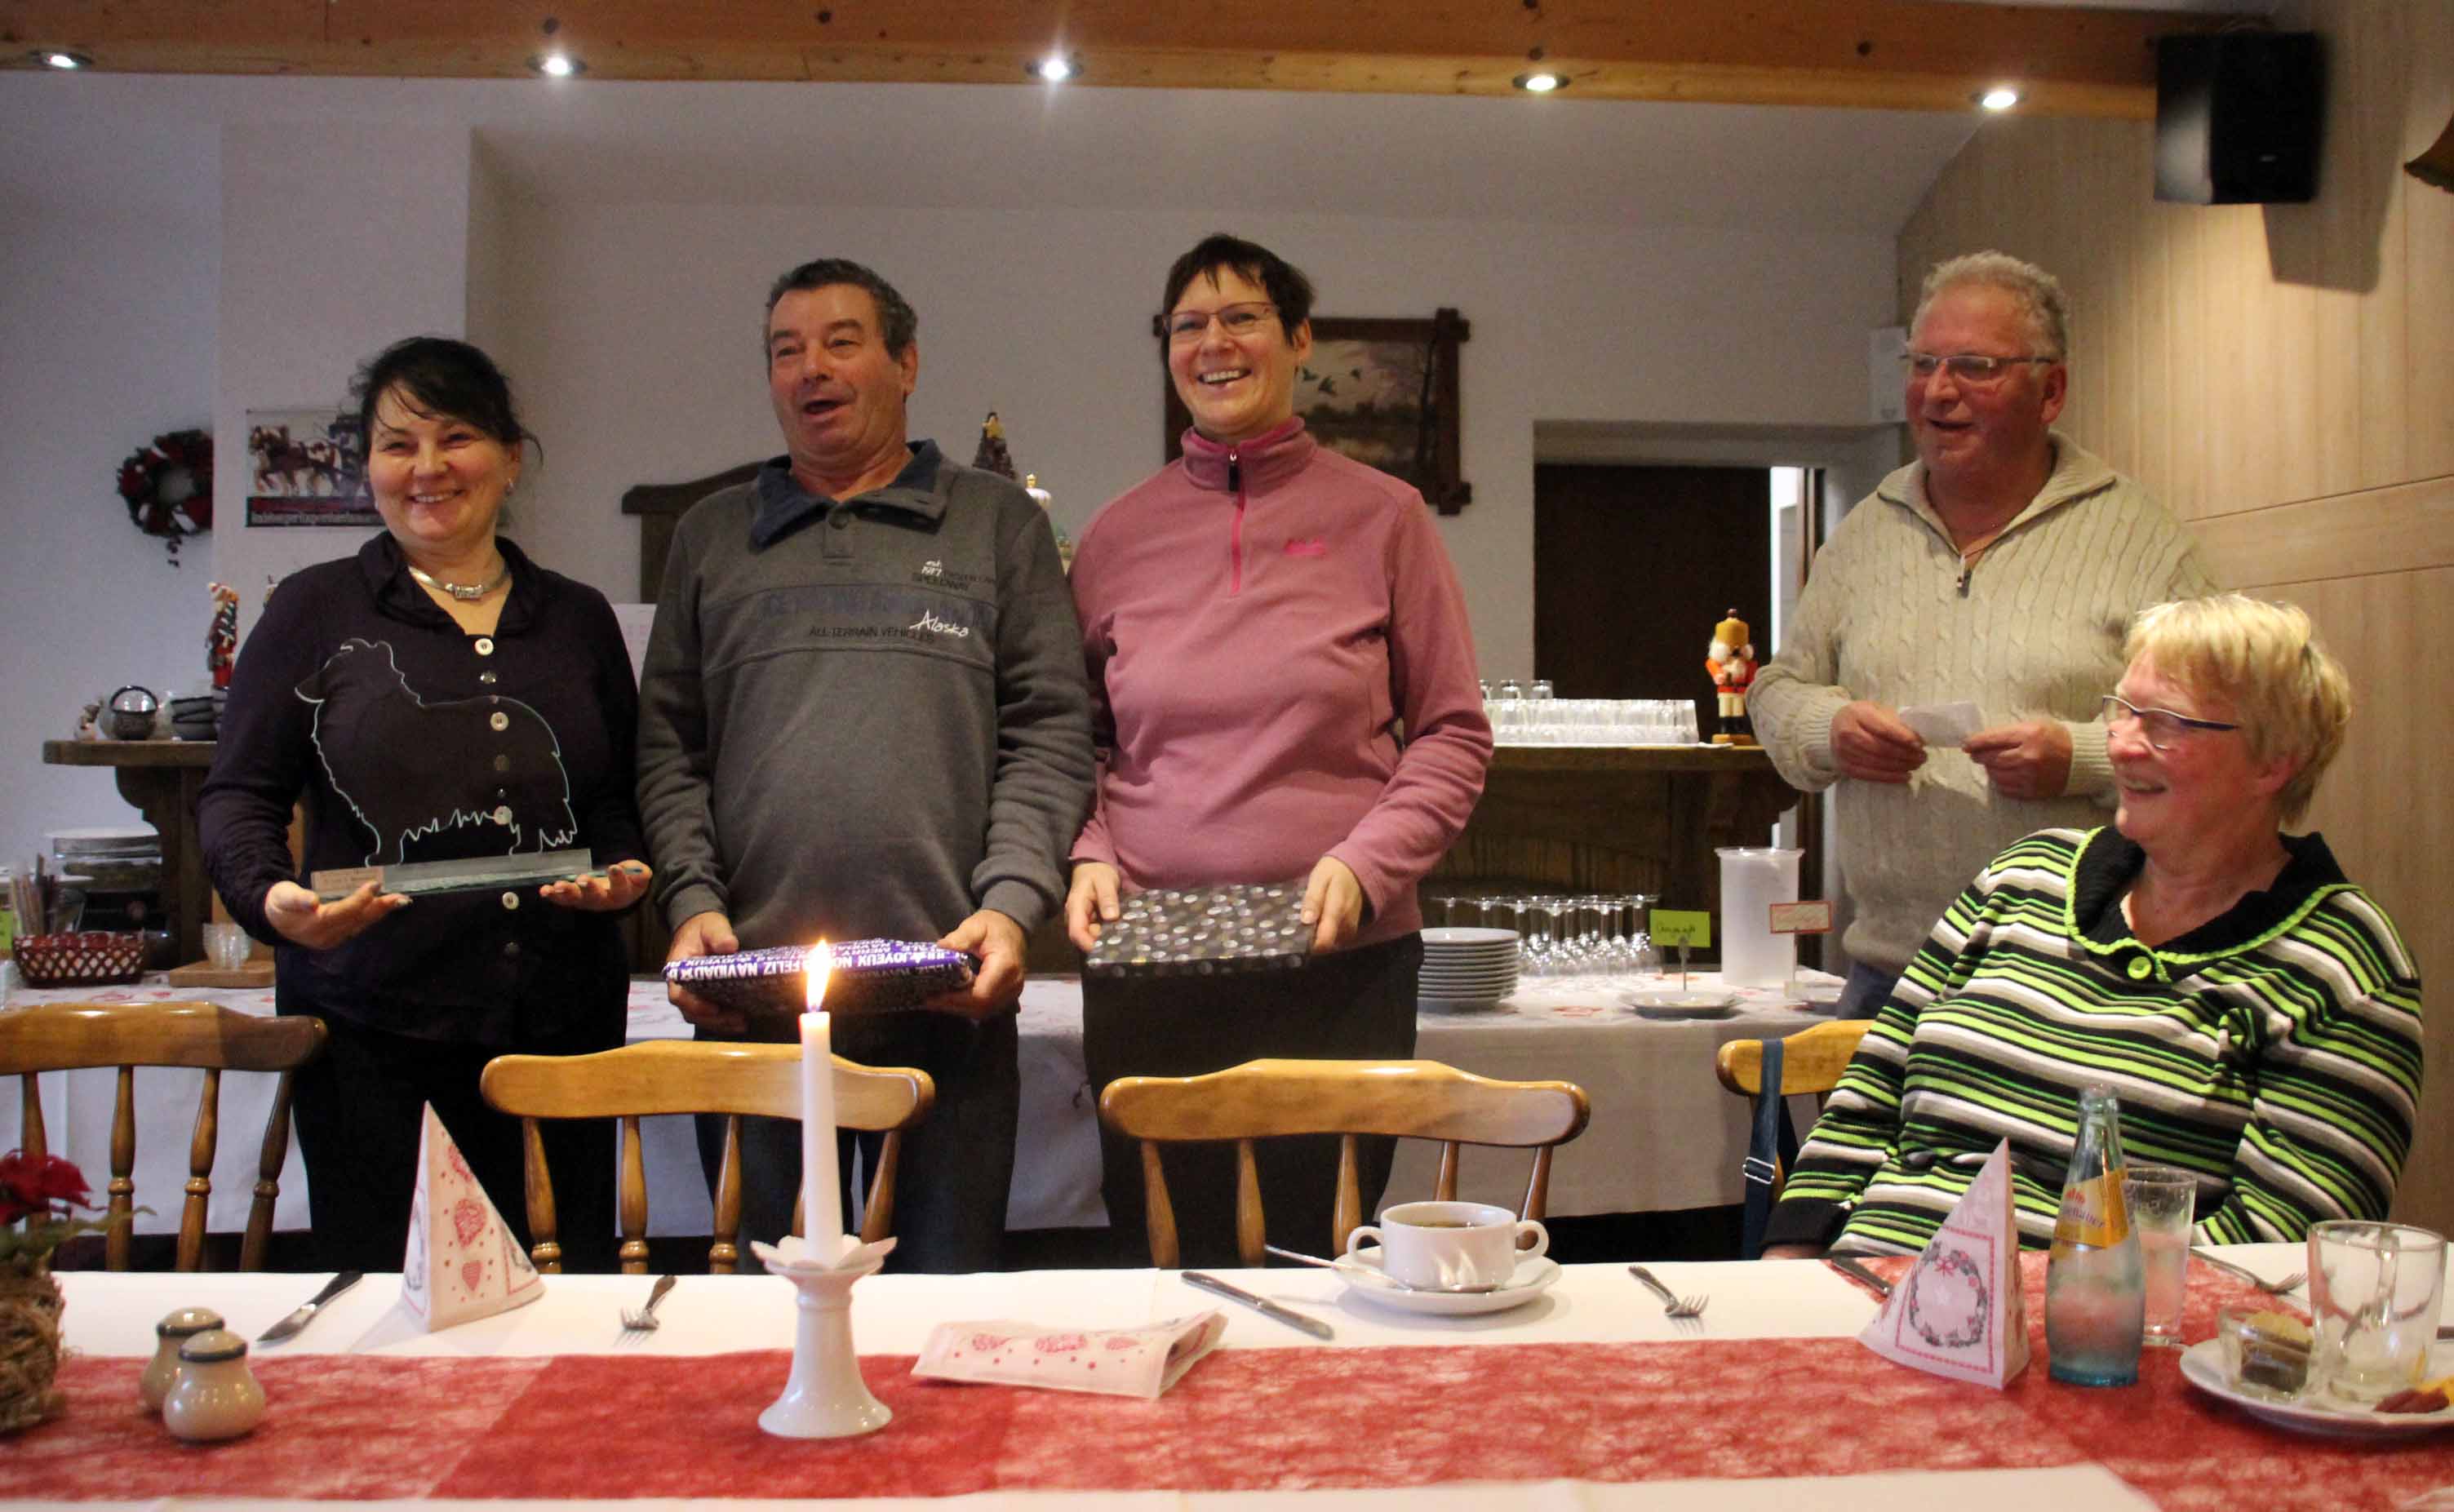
862, 712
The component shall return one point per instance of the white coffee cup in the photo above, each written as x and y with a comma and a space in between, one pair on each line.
1448, 1246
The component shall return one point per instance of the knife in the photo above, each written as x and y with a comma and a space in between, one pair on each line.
1261, 1305
314, 1304
1859, 1274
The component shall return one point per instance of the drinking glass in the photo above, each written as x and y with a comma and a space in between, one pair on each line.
2373, 1289
1541, 689
2162, 1198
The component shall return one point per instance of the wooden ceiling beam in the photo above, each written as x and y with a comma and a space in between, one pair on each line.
1901, 54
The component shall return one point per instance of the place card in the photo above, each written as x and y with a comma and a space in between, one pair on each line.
1958, 1312
1813, 916
1672, 927
1105, 1362
463, 1262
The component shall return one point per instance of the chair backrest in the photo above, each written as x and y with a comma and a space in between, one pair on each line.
1420, 1099
1811, 1062
80, 1037
686, 1076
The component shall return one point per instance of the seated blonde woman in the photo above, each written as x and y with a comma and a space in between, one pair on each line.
2256, 1013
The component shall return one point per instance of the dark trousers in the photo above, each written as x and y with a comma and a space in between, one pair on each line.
1865, 991
1352, 1005
950, 1190
360, 1108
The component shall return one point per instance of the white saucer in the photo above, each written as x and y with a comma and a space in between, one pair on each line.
1459, 1005
2203, 1365
1669, 1002
1364, 1278
1461, 935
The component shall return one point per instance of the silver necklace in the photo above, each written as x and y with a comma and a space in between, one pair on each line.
466, 593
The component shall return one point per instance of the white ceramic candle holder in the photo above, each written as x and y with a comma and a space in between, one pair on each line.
824, 1398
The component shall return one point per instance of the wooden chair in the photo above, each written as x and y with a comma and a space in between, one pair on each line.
1264, 1098
80, 1037
1811, 1062
683, 1075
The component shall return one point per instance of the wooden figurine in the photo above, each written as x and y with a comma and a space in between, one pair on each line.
1731, 661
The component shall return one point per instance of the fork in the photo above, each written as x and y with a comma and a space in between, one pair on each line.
1672, 1305
643, 1320
2271, 1288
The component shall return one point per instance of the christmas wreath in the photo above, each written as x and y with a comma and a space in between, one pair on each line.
169, 487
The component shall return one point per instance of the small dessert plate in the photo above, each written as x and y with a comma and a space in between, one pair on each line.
2203, 1365
1669, 1002
1364, 1278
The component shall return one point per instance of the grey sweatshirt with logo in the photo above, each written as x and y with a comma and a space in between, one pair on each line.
864, 717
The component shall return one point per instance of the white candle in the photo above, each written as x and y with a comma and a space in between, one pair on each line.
821, 1203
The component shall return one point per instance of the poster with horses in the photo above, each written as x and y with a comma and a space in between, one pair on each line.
305, 467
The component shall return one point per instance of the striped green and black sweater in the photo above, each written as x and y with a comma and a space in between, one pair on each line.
2274, 1050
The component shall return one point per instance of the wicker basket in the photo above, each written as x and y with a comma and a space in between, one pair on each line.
94, 958
30, 1344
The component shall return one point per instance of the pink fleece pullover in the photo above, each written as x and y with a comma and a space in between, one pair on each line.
1260, 621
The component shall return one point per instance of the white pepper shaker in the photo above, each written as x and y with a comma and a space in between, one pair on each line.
215, 1395
172, 1332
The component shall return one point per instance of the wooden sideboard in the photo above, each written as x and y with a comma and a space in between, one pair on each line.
1623, 819
161, 778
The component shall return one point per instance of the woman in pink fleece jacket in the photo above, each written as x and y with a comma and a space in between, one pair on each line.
1282, 686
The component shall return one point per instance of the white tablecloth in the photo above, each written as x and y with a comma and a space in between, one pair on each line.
113, 1315
1664, 1136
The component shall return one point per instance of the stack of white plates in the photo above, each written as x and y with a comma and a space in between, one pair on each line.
1467, 968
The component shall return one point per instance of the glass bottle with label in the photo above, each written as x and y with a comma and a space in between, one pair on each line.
2096, 1290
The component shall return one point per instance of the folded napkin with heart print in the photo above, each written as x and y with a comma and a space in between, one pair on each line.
1110, 1361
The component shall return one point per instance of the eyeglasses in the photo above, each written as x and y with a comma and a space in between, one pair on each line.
1967, 366
2163, 727
1236, 320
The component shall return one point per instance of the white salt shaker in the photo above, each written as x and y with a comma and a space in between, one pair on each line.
215, 1395
173, 1331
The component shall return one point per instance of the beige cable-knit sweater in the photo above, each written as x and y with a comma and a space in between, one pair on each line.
2033, 629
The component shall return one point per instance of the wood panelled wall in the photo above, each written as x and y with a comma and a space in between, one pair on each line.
2284, 379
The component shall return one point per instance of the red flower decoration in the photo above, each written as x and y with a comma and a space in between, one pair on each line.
48, 1185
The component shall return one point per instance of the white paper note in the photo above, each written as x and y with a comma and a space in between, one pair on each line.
1945, 724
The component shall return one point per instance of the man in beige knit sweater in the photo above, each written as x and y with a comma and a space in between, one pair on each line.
2000, 567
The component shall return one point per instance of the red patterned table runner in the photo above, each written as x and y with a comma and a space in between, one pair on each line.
617, 1426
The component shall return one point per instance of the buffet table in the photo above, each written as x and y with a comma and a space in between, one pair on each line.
1586, 1396
1664, 1136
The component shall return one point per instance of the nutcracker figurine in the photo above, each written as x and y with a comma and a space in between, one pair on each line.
1731, 661
221, 638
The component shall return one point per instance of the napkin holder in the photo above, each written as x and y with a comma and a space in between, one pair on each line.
462, 1262
1958, 1313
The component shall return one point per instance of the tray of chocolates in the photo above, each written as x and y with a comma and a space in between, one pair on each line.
869, 976
1204, 932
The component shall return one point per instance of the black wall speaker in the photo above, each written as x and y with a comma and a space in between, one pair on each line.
2236, 118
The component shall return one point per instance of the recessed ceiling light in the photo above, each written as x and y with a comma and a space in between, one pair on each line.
557, 66
2001, 97
1542, 81
62, 59
1055, 68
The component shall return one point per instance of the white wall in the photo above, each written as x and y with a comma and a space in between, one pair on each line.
335, 240
110, 244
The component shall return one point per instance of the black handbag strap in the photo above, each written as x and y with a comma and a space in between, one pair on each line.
1771, 1149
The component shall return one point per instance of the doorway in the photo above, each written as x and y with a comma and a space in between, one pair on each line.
1633, 566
